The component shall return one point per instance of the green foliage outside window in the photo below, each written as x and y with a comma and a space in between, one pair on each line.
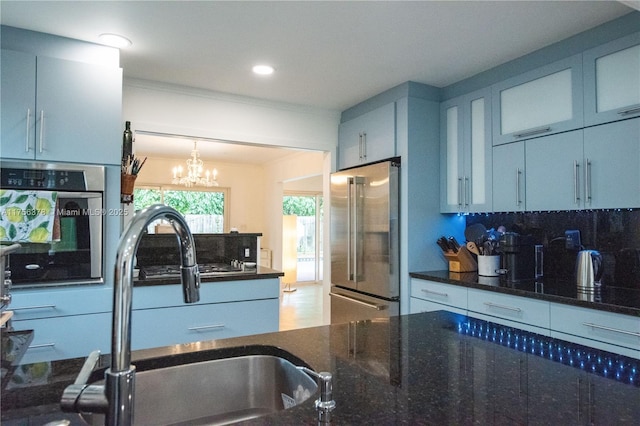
299, 205
203, 210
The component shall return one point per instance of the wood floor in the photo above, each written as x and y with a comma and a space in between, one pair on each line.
301, 308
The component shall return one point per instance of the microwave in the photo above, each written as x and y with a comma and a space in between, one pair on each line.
74, 256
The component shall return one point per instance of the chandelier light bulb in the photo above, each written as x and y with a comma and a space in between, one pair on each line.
194, 176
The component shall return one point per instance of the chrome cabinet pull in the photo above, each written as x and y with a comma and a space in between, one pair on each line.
460, 192
509, 308
42, 345
26, 308
41, 148
532, 132
518, 174
587, 181
615, 330
26, 146
364, 145
576, 196
629, 110
466, 191
206, 327
424, 290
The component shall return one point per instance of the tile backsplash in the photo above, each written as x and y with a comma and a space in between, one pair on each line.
615, 233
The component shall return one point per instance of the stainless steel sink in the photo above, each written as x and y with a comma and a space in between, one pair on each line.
217, 392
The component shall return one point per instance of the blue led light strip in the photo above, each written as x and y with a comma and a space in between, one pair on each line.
601, 363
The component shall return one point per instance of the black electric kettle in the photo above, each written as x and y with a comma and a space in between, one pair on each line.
589, 270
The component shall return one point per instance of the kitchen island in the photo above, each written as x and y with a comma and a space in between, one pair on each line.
428, 368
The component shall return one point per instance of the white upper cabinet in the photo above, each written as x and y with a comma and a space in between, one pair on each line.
509, 178
368, 138
612, 80
54, 109
540, 102
466, 153
591, 168
554, 170
612, 165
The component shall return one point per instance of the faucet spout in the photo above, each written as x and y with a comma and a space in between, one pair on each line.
120, 377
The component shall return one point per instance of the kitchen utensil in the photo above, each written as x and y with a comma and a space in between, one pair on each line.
453, 244
444, 244
471, 246
589, 270
475, 232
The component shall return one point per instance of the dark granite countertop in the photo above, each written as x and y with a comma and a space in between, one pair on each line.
260, 272
428, 368
619, 300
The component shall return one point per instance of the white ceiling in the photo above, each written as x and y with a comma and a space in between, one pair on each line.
327, 54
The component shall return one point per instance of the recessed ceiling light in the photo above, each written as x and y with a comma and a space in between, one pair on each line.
115, 40
263, 69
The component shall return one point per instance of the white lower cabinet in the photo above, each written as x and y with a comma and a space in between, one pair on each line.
66, 337
514, 311
72, 322
603, 330
185, 324
427, 296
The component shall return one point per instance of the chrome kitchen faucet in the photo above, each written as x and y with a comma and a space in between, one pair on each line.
116, 397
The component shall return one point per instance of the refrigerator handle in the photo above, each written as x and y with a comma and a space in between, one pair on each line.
360, 302
349, 227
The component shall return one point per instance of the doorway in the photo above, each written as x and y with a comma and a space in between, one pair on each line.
308, 209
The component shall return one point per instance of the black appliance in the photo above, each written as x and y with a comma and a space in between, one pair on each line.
518, 256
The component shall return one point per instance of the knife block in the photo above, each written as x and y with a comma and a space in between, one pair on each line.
462, 261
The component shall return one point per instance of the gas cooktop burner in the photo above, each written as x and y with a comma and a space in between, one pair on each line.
168, 271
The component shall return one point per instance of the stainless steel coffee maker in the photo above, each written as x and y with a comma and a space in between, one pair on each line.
589, 270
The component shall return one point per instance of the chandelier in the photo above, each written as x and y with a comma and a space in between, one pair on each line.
194, 172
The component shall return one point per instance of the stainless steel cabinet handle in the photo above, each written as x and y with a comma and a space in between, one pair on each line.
587, 181
629, 111
518, 174
460, 192
466, 191
41, 148
532, 132
576, 196
26, 308
26, 146
360, 146
206, 327
424, 290
509, 308
42, 345
615, 330
359, 302
364, 145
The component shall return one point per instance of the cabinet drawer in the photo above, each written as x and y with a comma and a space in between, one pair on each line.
523, 312
66, 337
446, 294
193, 323
607, 327
33, 304
210, 292
417, 306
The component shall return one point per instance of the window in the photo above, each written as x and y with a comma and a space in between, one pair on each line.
204, 211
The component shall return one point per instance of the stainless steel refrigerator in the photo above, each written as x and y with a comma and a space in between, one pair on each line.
365, 247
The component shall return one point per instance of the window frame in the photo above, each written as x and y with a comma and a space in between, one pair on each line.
225, 191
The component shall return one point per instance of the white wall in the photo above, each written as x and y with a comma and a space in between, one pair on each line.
170, 109
244, 181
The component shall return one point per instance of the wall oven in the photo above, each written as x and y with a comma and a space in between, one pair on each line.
73, 253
